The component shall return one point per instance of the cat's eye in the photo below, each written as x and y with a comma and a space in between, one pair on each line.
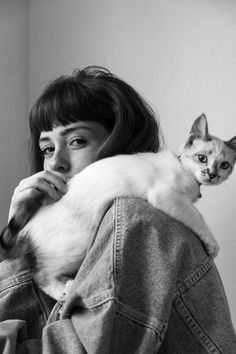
202, 158
224, 165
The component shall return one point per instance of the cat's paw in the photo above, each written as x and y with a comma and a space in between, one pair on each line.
212, 248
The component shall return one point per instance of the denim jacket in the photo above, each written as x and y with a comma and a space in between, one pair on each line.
146, 286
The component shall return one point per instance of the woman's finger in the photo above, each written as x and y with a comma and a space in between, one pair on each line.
43, 178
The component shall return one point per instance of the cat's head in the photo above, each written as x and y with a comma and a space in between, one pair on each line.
209, 159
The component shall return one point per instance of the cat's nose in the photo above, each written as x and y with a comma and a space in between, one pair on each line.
212, 175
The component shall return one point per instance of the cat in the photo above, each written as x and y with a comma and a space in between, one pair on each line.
58, 234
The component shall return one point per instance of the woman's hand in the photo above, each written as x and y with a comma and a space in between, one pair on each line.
44, 185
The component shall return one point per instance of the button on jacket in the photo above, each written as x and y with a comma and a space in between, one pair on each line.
146, 286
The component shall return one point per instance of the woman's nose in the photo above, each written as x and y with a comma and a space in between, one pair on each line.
59, 161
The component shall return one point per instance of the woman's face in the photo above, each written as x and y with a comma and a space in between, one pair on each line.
68, 149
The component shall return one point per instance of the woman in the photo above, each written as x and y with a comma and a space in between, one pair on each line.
146, 284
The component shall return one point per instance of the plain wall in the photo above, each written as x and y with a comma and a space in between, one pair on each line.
13, 98
179, 54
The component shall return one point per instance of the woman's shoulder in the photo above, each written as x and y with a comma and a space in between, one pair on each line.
142, 228
137, 215
140, 210
132, 210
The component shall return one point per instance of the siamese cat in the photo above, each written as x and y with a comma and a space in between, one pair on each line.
58, 234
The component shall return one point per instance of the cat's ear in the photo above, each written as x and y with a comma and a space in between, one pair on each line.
199, 128
231, 144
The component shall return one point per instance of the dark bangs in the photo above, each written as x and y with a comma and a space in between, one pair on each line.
67, 100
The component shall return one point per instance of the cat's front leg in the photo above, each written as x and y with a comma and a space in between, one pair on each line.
194, 220
210, 243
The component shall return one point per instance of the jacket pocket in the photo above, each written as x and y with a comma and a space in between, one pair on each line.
135, 332
210, 326
134, 337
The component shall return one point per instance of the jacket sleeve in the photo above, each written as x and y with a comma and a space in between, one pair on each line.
122, 295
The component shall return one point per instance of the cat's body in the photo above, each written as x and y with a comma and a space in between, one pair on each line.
59, 233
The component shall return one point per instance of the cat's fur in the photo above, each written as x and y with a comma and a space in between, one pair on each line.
59, 233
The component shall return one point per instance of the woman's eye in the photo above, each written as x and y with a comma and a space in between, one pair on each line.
224, 165
47, 150
202, 158
78, 142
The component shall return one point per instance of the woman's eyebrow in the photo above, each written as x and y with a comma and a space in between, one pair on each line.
64, 133
44, 139
72, 129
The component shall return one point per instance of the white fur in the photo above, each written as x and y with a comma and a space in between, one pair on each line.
59, 233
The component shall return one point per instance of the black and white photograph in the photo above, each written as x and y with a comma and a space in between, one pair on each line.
117, 176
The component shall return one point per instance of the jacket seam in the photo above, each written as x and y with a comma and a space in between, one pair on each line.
123, 309
117, 250
126, 311
98, 224
98, 300
140, 318
15, 280
194, 277
194, 327
125, 315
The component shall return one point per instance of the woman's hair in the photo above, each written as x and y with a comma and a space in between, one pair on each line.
95, 94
